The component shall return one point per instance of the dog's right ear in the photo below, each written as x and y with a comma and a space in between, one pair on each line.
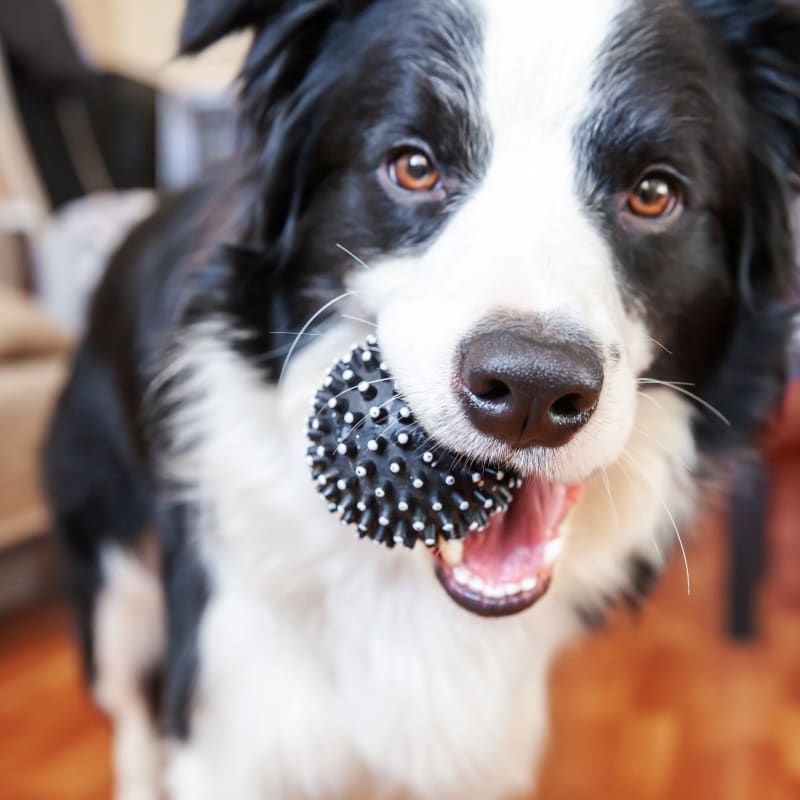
207, 21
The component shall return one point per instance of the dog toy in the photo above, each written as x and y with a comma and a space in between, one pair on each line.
380, 470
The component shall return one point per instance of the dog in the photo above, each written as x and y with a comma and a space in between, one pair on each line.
570, 231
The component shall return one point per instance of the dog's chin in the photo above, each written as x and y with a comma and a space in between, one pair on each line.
508, 567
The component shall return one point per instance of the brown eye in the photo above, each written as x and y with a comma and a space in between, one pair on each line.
655, 196
414, 171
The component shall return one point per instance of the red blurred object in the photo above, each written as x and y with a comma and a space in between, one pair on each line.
783, 449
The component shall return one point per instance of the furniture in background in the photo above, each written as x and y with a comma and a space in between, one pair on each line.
87, 129
33, 365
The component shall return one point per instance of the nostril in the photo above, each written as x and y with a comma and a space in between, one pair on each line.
493, 389
572, 406
488, 387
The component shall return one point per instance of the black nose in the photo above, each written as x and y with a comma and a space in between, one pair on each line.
526, 391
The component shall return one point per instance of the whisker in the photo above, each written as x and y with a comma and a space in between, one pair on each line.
646, 396
359, 319
664, 383
308, 324
691, 395
634, 489
630, 458
607, 484
292, 333
662, 346
353, 256
363, 422
353, 389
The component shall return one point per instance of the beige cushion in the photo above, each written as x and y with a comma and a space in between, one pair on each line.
25, 330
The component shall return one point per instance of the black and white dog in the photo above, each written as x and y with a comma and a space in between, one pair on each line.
569, 227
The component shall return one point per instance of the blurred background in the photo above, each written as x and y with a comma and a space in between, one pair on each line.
691, 697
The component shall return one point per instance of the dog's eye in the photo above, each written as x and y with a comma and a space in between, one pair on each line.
414, 171
657, 195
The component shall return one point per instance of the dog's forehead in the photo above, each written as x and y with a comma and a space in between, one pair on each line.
540, 60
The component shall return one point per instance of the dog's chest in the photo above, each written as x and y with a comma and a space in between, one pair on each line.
386, 685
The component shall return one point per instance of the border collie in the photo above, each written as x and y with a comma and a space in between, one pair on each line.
568, 225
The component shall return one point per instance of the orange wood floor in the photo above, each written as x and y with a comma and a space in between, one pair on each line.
658, 707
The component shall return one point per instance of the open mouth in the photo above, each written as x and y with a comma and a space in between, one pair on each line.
508, 566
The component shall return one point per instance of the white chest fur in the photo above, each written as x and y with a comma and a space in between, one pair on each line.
327, 664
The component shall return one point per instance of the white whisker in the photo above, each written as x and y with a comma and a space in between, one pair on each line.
354, 389
662, 346
367, 418
681, 390
607, 484
308, 324
646, 396
660, 499
359, 319
637, 496
353, 256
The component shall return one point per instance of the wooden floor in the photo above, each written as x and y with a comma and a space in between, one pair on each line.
659, 707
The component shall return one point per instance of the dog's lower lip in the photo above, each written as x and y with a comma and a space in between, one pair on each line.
479, 603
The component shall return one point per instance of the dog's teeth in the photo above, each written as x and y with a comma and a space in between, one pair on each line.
476, 584
462, 576
529, 584
495, 592
512, 589
452, 551
552, 551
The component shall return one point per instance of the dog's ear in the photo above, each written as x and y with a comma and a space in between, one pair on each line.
206, 21
761, 41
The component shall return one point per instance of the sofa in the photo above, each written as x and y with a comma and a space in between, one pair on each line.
33, 366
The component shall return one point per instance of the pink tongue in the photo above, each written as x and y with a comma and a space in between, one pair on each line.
512, 548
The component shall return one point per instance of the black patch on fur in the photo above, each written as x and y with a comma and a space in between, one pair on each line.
711, 89
97, 491
644, 576
330, 89
187, 592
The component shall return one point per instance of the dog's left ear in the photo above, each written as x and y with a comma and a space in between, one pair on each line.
207, 21
761, 41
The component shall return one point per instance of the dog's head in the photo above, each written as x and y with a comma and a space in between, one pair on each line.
557, 208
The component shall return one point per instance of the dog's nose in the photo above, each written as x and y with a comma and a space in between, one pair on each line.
526, 391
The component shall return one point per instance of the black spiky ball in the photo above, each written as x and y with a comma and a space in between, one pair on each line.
379, 469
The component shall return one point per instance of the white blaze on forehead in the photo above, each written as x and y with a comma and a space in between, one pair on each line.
523, 239
540, 61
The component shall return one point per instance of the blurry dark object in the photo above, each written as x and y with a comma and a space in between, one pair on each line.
747, 526
89, 130
754, 554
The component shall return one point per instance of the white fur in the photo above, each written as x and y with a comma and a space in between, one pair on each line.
129, 643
